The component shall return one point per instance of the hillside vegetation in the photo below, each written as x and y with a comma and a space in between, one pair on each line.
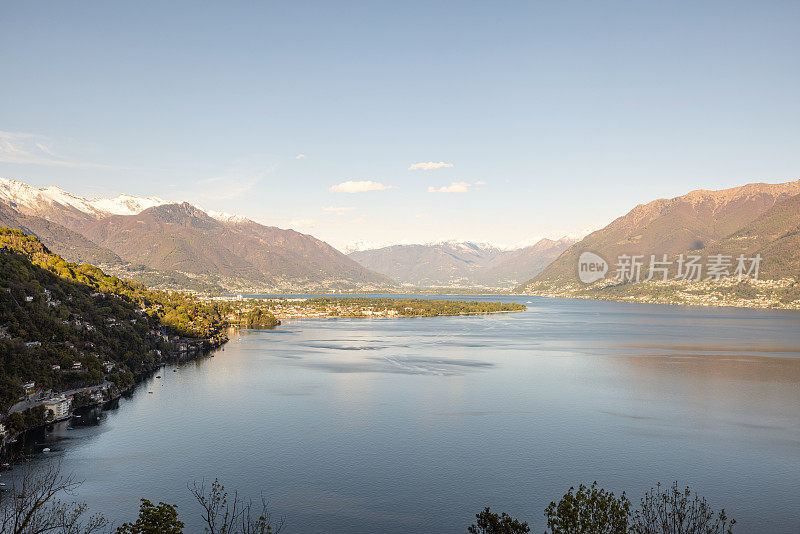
54, 313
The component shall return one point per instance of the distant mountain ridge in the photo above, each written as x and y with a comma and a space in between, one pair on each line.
460, 263
184, 238
224, 250
751, 219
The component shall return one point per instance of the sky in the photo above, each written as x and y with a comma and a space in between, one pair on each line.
392, 122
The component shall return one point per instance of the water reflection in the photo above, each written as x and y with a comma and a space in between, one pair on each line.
411, 425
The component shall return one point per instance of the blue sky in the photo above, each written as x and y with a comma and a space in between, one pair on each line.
559, 115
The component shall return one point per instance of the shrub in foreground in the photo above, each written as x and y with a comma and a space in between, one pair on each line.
593, 510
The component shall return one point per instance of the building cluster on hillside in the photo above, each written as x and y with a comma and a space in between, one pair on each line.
296, 309
58, 405
724, 292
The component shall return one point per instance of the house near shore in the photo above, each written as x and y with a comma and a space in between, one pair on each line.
29, 387
59, 406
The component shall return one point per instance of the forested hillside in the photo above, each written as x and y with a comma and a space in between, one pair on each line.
55, 313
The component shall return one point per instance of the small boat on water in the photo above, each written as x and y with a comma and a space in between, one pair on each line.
69, 428
150, 392
159, 376
46, 449
174, 370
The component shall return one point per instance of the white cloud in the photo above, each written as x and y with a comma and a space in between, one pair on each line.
454, 187
237, 181
429, 166
17, 147
338, 210
358, 186
300, 156
480, 182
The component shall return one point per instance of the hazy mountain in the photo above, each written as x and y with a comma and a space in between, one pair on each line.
460, 263
226, 250
706, 222
513, 266
68, 244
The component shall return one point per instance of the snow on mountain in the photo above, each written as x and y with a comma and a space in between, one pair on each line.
225, 217
59, 196
361, 245
126, 204
453, 244
465, 245
23, 196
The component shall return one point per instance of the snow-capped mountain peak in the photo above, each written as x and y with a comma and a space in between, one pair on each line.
26, 197
225, 217
19, 193
37, 201
60, 196
126, 204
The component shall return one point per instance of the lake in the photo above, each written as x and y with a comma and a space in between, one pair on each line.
414, 425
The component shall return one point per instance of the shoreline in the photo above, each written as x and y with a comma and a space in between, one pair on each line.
636, 300
11, 439
468, 314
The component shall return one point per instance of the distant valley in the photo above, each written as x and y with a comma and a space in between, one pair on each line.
461, 264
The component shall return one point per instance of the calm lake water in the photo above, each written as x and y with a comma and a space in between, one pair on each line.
414, 425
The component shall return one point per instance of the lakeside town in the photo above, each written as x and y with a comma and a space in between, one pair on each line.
727, 292
286, 308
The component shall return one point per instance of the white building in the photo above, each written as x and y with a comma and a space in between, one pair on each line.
59, 406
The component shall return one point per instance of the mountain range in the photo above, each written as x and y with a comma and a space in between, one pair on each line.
460, 264
181, 246
168, 241
757, 218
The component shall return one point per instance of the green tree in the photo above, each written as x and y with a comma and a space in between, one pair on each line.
489, 522
161, 519
589, 510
